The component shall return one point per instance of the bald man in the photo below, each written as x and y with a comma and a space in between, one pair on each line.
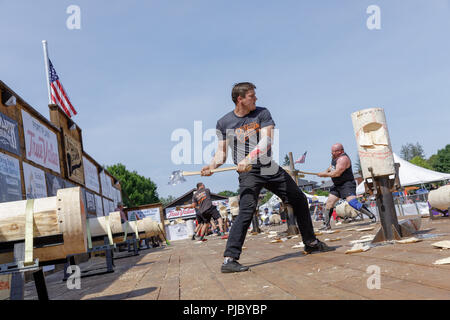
344, 185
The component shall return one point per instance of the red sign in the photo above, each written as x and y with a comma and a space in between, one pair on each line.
173, 213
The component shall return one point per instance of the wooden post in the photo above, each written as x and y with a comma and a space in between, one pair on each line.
291, 223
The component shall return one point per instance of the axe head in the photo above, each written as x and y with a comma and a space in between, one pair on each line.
176, 178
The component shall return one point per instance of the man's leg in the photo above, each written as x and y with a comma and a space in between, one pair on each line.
354, 203
329, 207
284, 187
249, 186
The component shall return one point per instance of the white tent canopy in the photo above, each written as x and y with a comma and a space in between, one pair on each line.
411, 174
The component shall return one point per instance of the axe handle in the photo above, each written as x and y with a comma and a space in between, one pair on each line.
194, 173
304, 172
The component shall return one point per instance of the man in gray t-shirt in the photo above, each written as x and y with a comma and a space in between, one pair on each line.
248, 131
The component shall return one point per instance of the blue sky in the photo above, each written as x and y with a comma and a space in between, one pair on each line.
138, 70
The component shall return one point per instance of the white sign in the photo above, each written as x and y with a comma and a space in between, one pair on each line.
152, 213
99, 206
34, 182
91, 176
41, 144
172, 213
106, 184
178, 231
11, 186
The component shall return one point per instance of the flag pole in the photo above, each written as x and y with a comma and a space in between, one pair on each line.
44, 45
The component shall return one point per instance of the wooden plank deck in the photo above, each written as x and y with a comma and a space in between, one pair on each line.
188, 270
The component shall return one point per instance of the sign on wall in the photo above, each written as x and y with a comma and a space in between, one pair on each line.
99, 205
34, 182
74, 157
41, 144
90, 202
54, 183
152, 213
172, 213
9, 135
91, 175
177, 231
10, 182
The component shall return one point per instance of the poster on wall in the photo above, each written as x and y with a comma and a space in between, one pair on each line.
74, 159
104, 184
153, 213
68, 184
172, 213
106, 208
90, 203
34, 182
9, 135
10, 182
54, 183
177, 231
99, 205
91, 175
41, 144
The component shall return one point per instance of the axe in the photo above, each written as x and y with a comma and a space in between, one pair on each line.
178, 176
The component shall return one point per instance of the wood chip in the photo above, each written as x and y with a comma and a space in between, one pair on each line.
442, 244
335, 239
409, 240
276, 241
442, 261
365, 229
331, 231
299, 245
271, 236
358, 247
318, 233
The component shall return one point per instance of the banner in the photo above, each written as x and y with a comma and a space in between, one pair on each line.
177, 231
10, 182
91, 175
34, 182
108, 206
54, 183
152, 213
105, 185
74, 157
99, 205
41, 144
172, 213
90, 203
9, 135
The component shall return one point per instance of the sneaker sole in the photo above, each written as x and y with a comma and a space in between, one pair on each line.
231, 271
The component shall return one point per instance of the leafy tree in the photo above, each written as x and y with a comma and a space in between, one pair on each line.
409, 151
167, 200
136, 189
227, 193
322, 193
286, 161
418, 161
441, 160
266, 197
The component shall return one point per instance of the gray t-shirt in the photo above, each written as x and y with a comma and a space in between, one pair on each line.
202, 199
243, 133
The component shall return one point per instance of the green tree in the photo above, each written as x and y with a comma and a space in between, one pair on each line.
286, 161
441, 160
418, 161
136, 189
322, 193
227, 193
409, 151
266, 197
167, 200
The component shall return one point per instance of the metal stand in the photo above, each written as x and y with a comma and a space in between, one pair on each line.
382, 187
107, 248
134, 242
17, 270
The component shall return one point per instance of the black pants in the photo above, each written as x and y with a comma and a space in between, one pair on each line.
281, 184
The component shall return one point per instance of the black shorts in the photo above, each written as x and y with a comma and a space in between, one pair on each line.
344, 190
215, 214
199, 218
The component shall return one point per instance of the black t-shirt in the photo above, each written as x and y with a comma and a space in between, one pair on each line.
243, 133
202, 199
347, 175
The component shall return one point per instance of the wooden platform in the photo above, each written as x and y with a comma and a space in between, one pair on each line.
191, 270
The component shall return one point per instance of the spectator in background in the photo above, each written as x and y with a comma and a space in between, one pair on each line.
123, 216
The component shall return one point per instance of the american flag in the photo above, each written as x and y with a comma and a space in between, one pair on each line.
301, 159
59, 95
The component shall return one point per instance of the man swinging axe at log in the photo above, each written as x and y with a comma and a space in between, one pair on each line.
344, 185
248, 131
206, 210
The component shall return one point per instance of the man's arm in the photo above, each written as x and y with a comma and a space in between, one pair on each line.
341, 165
261, 149
219, 158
